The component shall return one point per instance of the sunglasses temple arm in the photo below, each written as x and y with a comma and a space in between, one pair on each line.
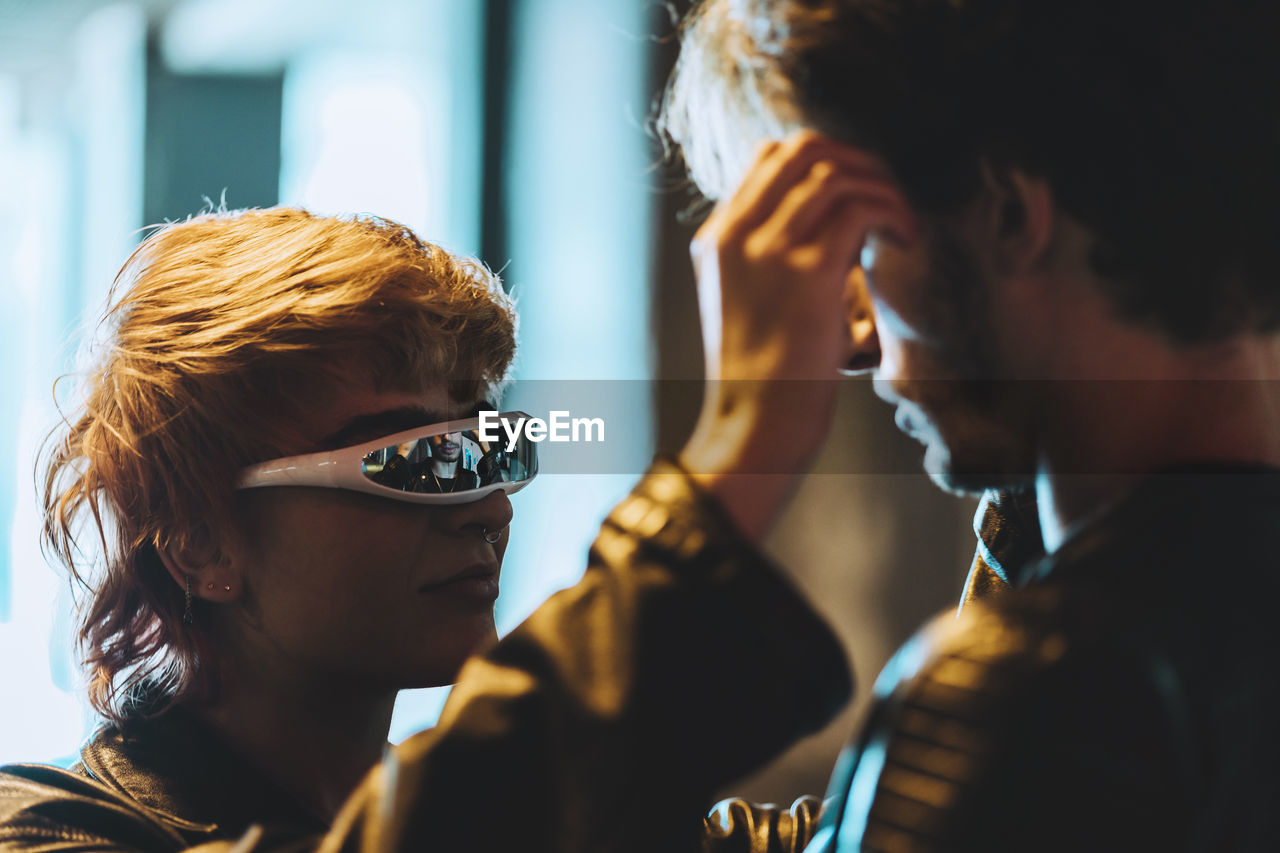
321, 469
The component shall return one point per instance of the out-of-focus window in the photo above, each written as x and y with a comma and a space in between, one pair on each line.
579, 243
71, 156
116, 114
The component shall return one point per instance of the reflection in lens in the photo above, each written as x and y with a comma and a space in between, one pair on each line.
450, 462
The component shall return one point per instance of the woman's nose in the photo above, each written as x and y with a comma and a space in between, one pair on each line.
490, 514
864, 341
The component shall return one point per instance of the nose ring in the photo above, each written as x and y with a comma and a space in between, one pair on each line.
492, 538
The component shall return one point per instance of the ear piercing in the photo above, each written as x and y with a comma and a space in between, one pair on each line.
187, 616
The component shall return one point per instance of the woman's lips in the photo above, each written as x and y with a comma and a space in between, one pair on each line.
480, 583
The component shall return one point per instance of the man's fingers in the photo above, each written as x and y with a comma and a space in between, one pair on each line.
803, 209
780, 167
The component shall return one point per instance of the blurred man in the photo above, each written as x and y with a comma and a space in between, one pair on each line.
1059, 220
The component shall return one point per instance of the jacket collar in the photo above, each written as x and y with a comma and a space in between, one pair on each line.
1180, 514
178, 769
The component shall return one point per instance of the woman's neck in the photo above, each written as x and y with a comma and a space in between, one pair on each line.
317, 744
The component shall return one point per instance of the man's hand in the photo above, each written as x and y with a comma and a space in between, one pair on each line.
772, 264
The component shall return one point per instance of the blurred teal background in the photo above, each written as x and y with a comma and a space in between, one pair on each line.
448, 115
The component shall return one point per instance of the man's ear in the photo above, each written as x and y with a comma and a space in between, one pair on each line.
212, 573
1021, 217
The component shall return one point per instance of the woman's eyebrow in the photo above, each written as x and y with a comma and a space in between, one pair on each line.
367, 426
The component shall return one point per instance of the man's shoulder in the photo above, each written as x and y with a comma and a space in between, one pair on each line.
996, 654
1016, 719
1057, 714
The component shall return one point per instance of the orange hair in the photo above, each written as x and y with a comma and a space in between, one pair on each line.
227, 327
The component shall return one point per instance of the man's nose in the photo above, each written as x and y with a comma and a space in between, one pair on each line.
864, 341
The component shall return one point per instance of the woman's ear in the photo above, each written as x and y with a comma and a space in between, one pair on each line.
211, 572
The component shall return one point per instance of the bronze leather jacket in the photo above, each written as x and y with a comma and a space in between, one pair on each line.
1122, 694
681, 660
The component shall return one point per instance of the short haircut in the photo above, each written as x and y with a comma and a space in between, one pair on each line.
222, 332
1156, 125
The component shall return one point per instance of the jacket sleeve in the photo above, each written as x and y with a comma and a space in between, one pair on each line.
607, 720
604, 722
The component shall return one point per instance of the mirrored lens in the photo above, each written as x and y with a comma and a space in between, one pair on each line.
450, 462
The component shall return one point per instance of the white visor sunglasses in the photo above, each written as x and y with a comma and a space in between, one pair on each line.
445, 463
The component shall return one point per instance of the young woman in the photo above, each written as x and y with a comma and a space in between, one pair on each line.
281, 621
244, 495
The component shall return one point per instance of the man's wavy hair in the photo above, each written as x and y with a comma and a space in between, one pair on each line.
1156, 124
223, 331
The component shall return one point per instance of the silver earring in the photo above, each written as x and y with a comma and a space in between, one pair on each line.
492, 538
187, 618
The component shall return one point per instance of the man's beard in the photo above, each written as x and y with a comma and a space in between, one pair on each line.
970, 472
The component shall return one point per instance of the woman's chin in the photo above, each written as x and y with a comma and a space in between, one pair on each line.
443, 669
